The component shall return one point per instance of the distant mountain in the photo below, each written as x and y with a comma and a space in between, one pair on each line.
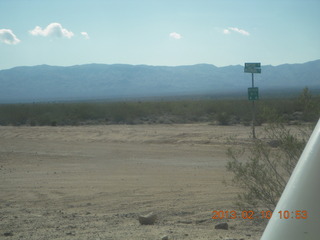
102, 81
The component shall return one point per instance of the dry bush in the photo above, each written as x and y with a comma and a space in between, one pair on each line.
263, 169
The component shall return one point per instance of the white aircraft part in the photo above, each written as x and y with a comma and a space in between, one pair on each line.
302, 193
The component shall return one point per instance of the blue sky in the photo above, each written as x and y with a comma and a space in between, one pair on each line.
158, 32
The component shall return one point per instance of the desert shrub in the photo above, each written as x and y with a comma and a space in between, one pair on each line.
309, 108
223, 118
225, 111
263, 169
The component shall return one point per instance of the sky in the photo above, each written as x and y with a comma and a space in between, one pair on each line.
158, 32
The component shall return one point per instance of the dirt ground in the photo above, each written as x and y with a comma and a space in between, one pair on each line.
92, 182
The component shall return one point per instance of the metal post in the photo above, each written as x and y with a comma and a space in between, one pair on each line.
253, 113
252, 92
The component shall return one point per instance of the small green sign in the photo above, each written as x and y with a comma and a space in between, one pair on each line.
253, 94
252, 67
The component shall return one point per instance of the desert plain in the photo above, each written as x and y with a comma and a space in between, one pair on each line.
93, 182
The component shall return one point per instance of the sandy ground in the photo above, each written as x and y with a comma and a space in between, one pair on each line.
92, 182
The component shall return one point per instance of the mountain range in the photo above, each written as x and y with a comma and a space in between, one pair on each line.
118, 81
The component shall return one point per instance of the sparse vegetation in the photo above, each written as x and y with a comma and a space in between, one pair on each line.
263, 169
224, 112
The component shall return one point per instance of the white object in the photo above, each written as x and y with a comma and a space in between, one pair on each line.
302, 193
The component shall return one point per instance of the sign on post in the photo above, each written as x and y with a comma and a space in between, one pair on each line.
253, 94
252, 68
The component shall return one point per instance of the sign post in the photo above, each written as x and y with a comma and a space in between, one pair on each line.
253, 92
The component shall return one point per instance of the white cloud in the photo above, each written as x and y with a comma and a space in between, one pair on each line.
175, 35
241, 31
85, 35
8, 37
237, 30
226, 31
52, 30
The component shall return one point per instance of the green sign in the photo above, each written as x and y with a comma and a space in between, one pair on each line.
252, 67
253, 94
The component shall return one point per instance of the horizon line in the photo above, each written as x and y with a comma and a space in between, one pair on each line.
185, 65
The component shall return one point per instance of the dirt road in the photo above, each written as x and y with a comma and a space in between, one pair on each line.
92, 182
